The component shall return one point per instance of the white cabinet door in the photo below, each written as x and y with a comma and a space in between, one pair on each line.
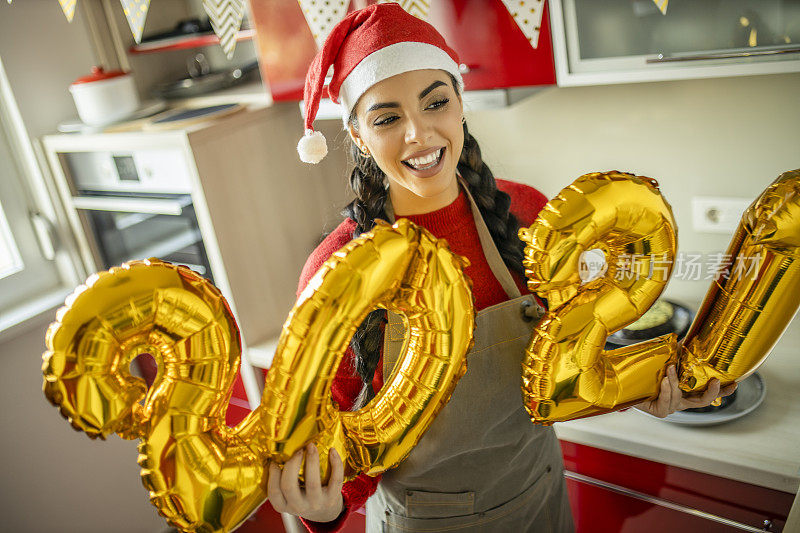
622, 41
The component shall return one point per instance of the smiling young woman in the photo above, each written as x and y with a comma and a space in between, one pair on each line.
482, 465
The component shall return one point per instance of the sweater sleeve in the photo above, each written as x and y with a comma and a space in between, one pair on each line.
345, 387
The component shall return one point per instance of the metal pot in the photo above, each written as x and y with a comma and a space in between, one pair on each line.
202, 80
103, 98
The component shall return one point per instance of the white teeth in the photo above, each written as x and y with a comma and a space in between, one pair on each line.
430, 160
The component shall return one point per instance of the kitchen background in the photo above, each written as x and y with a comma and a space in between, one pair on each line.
726, 136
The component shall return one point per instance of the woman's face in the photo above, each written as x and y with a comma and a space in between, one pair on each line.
411, 125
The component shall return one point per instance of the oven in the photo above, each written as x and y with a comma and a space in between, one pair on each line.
137, 205
124, 227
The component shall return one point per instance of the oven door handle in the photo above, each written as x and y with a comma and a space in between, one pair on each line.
154, 206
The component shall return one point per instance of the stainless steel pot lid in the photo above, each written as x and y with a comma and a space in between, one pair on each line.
202, 80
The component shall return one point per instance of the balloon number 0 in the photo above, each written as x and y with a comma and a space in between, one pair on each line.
204, 476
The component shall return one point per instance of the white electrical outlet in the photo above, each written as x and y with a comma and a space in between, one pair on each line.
712, 214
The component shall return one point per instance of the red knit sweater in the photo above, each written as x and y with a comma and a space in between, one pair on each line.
455, 224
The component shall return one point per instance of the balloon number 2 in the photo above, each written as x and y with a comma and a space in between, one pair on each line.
566, 372
205, 476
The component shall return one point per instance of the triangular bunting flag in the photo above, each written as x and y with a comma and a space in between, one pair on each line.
528, 15
662, 5
226, 20
418, 8
136, 13
321, 17
67, 6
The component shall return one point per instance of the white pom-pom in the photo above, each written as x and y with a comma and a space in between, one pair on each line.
312, 147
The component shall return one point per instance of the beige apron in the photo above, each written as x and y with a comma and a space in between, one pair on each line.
482, 465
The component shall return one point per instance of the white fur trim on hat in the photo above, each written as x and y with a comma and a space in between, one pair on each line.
390, 61
312, 147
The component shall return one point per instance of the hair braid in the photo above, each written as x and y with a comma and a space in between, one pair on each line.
367, 182
493, 203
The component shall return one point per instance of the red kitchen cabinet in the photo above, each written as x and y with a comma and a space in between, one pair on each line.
612, 492
483, 33
238, 406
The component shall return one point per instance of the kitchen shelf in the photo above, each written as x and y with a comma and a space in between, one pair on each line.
183, 42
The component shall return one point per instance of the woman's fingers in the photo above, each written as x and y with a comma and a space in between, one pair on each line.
316, 503
290, 484
274, 488
337, 473
705, 399
313, 484
661, 408
675, 392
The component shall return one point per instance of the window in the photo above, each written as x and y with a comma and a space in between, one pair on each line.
36, 274
10, 261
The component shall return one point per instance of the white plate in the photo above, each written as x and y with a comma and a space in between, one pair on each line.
151, 107
749, 395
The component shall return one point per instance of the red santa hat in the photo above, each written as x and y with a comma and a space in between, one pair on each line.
368, 46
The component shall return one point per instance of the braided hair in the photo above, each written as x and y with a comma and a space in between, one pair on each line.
368, 182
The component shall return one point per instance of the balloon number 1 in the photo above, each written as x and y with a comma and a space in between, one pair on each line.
744, 313
566, 372
204, 476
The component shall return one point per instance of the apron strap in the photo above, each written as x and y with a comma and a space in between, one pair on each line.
490, 251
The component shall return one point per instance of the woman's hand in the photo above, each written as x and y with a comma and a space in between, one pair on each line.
316, 503
671, 398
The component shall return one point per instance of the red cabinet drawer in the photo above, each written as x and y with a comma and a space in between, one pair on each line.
610, 493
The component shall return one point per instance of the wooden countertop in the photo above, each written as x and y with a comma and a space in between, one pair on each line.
761, 448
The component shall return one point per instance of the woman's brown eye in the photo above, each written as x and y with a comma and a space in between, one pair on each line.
439, 103
388, 120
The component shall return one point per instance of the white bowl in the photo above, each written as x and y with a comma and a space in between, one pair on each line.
106, 101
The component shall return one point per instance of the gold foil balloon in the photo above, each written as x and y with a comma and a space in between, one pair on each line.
755, 294
566, 372
404, 269
204, 476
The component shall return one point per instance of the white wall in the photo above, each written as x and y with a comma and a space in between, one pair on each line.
714, 137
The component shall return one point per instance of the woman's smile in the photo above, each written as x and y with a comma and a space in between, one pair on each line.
427, 164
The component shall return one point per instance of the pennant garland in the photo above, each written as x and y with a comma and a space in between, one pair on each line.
528, 16
418, 8
226, 20
662, 5
136, 13
321, 17
226, 16
67, 6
